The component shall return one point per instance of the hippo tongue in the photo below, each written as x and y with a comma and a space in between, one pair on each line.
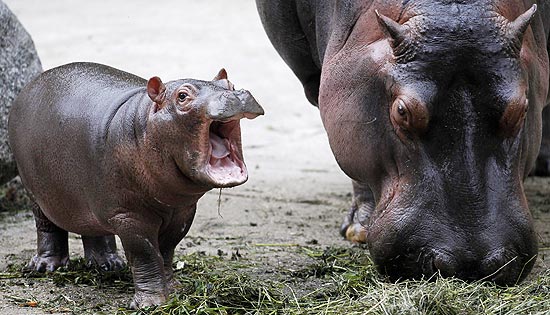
219, 146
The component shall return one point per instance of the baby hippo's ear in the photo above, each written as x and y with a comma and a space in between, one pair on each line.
221, 77
155, 89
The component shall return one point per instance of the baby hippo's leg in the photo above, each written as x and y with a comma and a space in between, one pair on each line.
52, 244
139, 236
100, 251
148, 271
169, 240
171, 282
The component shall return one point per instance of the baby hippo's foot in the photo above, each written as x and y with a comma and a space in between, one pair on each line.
143, 299
172, 285
52, 244
100, 251
107, 262
46, 263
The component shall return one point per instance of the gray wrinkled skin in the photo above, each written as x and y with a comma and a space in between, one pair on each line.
19, 63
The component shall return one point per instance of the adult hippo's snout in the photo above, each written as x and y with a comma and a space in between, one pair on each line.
453, 254
454, 216
502, 266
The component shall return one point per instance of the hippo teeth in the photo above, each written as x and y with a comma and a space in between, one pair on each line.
219, 146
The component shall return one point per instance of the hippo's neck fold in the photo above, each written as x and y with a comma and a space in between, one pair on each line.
126, 117
135, 138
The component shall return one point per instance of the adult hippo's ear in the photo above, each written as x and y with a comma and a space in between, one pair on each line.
221, 77
155, 90
396, 31
515, 29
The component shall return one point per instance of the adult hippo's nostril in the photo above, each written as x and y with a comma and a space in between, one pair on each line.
462, 266
506, 267
444, 264
502, 266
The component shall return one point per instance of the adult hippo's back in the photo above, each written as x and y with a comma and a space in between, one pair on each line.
434, 109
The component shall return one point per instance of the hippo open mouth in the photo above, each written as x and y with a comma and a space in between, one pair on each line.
224, 163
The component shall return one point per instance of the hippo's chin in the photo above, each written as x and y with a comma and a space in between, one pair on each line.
224, 165
226, 172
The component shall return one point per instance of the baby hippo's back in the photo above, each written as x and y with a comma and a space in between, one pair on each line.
58, 129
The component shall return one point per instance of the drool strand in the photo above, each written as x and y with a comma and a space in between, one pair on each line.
220, 203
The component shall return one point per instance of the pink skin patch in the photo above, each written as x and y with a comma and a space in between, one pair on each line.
225, 166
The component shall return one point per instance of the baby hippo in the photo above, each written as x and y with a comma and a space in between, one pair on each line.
104, 153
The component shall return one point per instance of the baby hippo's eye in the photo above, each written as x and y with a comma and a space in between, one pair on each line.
182, 96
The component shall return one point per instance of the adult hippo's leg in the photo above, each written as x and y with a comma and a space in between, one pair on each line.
283, 26
101, 251
542, 168
354, 227
52, 244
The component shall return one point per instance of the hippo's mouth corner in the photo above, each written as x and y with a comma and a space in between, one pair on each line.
224, 162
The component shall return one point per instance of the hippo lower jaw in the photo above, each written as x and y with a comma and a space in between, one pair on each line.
224, 164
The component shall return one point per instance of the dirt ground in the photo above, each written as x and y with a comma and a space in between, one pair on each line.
296, 193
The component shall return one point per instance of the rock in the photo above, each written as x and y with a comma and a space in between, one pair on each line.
19, 63
13, 196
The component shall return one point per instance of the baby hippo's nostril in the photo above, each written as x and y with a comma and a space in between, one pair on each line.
232, 105
249, 105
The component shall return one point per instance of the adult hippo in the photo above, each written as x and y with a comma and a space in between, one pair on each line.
434, 109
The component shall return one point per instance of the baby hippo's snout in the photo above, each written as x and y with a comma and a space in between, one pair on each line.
224, 109
231, 105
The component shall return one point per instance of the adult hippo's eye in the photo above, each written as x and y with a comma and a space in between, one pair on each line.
401, 108
400, 114
409, 117
182, 96
513, 117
